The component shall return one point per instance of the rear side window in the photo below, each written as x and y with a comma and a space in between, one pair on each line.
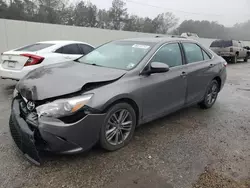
85, 48
222, 43
193, 52
205, 55
35, 47
69, 49
169, 54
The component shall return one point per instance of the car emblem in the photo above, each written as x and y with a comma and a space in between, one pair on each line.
31, 106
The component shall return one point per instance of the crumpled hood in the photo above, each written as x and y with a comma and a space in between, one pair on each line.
64, 78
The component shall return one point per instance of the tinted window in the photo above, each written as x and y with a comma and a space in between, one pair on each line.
222, 43
205, 55
69, 49
169, 54
118, 54
35, 47
86, 48
193, 52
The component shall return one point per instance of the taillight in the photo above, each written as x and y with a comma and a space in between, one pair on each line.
33, 59
231, 50
225, 64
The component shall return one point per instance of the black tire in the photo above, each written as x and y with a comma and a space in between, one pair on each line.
226, 59
104, 143
235, 59
206, 103
245, 60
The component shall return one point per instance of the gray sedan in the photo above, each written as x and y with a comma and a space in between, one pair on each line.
101, 97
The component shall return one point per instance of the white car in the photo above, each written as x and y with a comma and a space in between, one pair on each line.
17, 63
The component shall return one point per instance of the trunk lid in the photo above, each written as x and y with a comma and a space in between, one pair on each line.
14, 60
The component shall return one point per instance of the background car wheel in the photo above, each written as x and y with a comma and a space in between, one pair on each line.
235, 59
118, 127
245, 60
210, 96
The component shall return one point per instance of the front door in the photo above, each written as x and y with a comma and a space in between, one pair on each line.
164, 92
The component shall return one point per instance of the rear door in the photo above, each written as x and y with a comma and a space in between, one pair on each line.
200, 71
16, 59
70, 52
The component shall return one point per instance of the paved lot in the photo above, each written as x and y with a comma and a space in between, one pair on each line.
175, 151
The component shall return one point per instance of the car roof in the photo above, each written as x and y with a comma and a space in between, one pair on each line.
63, 42
157, 39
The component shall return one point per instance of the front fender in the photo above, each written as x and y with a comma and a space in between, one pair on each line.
118, 98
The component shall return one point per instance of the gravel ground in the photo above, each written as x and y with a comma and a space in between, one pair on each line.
190, 148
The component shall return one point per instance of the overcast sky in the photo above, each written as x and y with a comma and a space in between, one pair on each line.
227, 12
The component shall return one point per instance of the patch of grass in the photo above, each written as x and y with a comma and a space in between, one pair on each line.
214, 180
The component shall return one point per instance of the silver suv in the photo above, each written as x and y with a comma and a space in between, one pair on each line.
231, 50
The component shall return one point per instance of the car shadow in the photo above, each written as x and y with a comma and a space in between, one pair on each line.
97, 152
238, 62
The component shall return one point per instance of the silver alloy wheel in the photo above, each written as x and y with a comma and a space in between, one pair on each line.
118, 127
212, 94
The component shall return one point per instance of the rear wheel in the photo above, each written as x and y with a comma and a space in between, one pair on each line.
211, 95
118, 127
226, 59
235, 59
246, 58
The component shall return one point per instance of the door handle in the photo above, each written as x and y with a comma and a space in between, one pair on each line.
183, 74
211, 65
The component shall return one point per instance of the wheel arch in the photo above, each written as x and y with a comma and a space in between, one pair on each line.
218, 79
127, 99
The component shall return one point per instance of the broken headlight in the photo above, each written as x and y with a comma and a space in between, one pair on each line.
63, 107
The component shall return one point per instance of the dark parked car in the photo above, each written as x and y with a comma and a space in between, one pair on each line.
103, 96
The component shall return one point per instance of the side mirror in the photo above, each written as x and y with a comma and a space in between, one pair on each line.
157, 67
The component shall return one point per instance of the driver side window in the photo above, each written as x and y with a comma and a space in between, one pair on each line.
169, 54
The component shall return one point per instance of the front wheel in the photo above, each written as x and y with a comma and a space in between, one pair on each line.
210, 96
118, 127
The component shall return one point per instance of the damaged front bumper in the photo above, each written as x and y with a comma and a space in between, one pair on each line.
52, 134
23, 135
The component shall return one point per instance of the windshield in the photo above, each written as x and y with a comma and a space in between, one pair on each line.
222, 43
119, 54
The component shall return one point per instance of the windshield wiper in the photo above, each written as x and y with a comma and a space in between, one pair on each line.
93, 64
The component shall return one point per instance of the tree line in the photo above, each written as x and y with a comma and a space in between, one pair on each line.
116, 17
208, 29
